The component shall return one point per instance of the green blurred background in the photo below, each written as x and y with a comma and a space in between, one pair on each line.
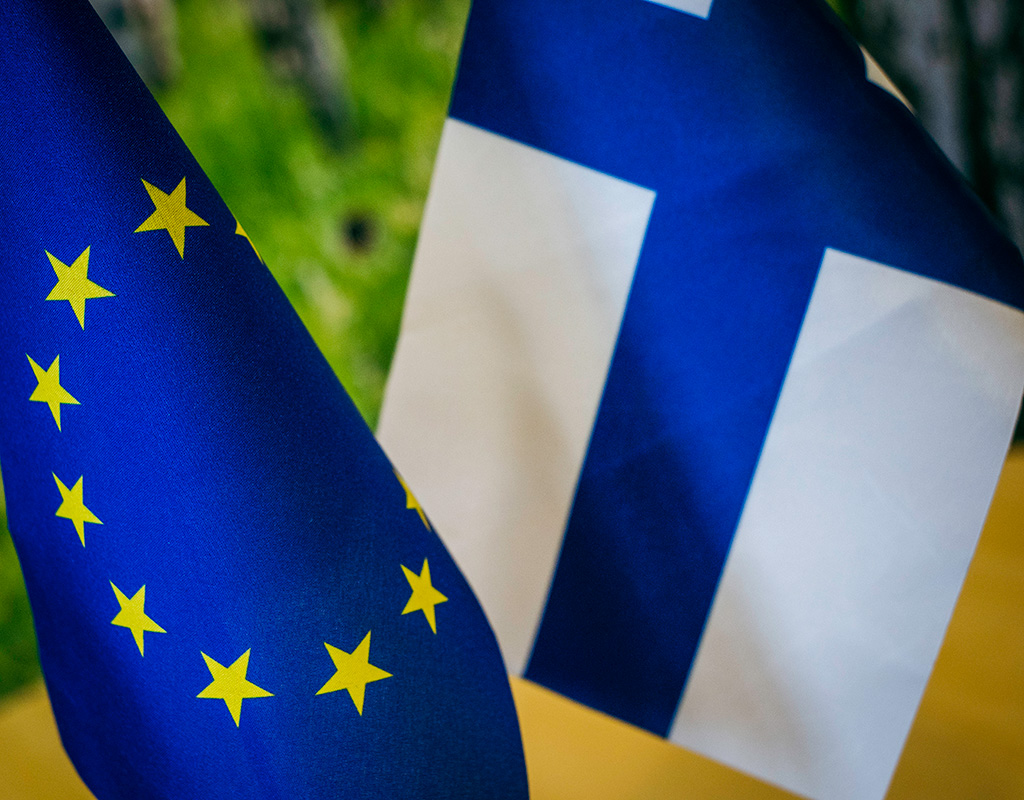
318, 121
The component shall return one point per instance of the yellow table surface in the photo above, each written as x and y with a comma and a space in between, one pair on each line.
967, 740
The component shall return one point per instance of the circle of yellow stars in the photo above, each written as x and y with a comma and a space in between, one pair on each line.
353, 670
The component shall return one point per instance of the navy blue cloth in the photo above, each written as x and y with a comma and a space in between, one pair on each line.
765, 145
206, 452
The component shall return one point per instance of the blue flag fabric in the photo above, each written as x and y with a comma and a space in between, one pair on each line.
233, 591
741, 519
623, 111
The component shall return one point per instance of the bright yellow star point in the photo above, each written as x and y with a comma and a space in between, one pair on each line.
353, 672
424, 596
241, 232
49, 390
72, 507
170, 214
133, 615
73, 284
230, 684
411, 501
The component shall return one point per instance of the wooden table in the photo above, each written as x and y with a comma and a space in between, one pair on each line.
967, 740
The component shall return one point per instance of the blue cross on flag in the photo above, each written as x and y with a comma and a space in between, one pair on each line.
708, 367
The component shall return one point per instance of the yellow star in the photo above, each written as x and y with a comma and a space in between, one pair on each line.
424, 595
133, 616
354, 671
72, 507
230, 685
73, 284
49, 390
241, 232
170, 215
411, 501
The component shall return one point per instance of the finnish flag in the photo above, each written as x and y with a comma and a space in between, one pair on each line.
708, 367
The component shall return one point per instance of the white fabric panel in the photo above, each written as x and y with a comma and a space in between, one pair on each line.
699, 8
874, 73
865, 508
517, 293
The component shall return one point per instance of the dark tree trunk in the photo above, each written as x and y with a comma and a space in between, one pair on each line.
961, 65
302, 46
146, 32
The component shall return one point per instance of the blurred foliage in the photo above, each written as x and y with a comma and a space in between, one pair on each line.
19, 663
844, 8
337, 228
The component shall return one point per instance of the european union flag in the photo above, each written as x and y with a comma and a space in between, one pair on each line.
234, 593
708, 366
